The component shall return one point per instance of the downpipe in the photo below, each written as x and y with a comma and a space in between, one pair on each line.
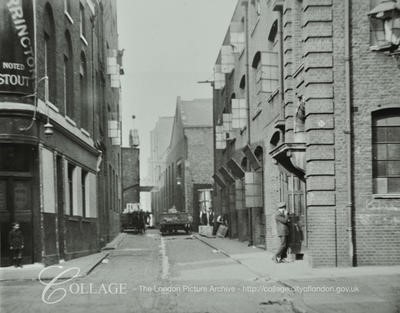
349, 134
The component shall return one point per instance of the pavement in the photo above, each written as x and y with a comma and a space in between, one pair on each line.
78, 267
260, 262
347, 289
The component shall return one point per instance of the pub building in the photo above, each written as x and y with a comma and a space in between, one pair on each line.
58, 157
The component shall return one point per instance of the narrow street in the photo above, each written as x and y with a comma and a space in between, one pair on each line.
159, 274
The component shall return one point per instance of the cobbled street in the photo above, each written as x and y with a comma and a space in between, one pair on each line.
150, 273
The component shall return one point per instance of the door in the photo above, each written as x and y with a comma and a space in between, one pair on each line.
293, 193
60, 206
296, 200
16, 206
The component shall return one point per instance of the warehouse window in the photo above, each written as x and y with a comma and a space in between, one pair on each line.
67, 7
68, 77
84, 192
50, 53
82, 25
386, 152
242, 84
83, 87
71, 169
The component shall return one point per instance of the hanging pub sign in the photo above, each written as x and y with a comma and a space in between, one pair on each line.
17, 61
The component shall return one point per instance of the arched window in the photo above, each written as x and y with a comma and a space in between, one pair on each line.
82, 22
242, 84
244, 164
300, 119
386, 151
68, 77
83, 91
258, 152
49, 52
258, 78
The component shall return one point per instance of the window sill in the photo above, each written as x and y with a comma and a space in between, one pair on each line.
242, 53
85, 132
69, 17
256, 114
53, 107
255, 26
386, 196
381, 47
273, 94
74, 218
84, 40
70, 121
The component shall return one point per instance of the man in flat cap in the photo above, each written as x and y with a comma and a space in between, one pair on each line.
282, 229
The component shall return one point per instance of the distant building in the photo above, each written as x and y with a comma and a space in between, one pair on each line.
160, 138
130, 176
188, 162
60, 165
306, 111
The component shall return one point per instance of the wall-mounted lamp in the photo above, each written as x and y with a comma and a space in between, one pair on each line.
48, 127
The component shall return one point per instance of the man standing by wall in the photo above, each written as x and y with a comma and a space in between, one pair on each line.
282, 229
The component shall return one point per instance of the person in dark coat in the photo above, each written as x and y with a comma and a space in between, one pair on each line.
211, 218
282, 229
16, 245
204, 217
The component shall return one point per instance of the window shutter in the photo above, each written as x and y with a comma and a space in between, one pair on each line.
219, 77
227, 59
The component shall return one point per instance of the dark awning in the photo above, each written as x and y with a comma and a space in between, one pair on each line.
236, 169
219, 180
228, 177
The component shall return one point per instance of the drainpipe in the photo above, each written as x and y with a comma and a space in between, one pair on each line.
349, 132
246, 6
94, 103
282, 78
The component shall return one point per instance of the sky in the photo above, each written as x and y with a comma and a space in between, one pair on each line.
169, 46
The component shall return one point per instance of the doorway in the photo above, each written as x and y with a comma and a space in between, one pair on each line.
293, 193
16, 206
16, 197
60, 206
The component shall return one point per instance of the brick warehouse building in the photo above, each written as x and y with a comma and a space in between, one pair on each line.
188, 161
160, 137
130, 175
307, 111
59, 137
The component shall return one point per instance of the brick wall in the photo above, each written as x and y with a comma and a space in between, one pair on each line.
375, 85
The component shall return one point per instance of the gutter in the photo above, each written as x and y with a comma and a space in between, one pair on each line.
349, 133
